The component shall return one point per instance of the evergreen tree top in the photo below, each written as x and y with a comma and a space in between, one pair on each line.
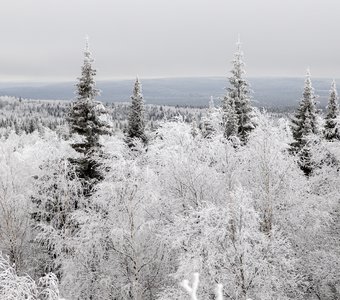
88, 117
238, 63
333, 86
333, 93
87, 52
239, 87
331, 130
136, 124
308, 93
307, 103
137, 90
86, 87
332, 107
304, 122
236, 103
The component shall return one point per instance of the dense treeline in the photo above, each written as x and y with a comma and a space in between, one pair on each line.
26, 116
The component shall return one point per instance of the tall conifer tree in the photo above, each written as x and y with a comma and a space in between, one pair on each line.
87, 119
136, 125
331, 125
304, 125
305, 119
236, 103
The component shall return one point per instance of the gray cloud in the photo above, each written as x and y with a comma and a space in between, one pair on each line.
43, 39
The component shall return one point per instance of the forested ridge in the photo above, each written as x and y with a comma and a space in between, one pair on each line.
126, 201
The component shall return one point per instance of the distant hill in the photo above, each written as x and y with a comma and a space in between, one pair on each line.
268, 92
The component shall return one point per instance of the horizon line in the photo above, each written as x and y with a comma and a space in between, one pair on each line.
132, 78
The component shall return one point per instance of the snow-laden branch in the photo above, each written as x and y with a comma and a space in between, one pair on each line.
14, 287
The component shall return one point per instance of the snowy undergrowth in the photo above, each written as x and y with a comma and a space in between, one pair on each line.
15, 287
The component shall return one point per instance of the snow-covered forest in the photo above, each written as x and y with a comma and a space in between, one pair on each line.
128, 201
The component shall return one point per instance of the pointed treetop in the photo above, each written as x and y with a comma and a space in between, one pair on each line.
333, 85
87, 52
238, 43
238, 55
333, 92
136, 122
137, 88
137, 82
308, 81
331, 130
87, 47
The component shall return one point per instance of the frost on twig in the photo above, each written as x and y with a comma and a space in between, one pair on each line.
48, 286
15, 287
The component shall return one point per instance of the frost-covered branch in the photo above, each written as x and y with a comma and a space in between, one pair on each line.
14, 287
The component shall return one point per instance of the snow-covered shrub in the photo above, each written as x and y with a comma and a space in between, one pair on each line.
15, 287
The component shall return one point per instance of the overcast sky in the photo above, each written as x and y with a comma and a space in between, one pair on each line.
44, 39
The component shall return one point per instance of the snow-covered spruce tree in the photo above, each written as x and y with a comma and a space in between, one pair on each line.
331, 123
208, 125
304, 125
136, 125
236, 103
87, 119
